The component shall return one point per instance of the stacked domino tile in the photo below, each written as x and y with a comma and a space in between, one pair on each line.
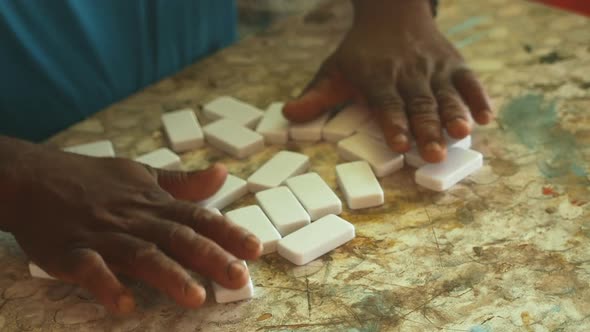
279, 183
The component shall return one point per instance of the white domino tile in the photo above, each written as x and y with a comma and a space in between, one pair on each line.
464, 143
274, 126
233, 189
253, 219
459, 164
315, 240
315, 195
234, 139
414, 159
37, 272
96, 149
183, 130
279, 168
226, 295
375, 152
233, 109
359, 185
283, 209
371, 128
162, 158
310, 131
345, 123
214, 211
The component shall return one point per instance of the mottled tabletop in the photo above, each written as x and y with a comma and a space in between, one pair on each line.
507, 249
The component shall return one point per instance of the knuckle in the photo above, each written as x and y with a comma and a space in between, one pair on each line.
148, 251
422, 105
85, 264
178, 232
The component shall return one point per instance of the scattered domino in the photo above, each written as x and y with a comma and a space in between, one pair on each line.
309, 131
414, 159
37, 272
315, 240
232, 190
214, 211
226, 295
274, 126
232, 138
315, 195
459, 164
283, 209
279, 168
162, 158
255, 221
233, 109
375, 152
372, 129
183, 130
463, 143
345, 123
96, 149
359, 185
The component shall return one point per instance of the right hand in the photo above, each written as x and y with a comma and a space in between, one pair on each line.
85, 219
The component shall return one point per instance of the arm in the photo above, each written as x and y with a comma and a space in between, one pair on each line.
396, 61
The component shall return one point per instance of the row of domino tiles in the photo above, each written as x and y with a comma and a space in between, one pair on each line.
357, 135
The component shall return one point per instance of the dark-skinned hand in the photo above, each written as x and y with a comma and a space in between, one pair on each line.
395, 60
86, 220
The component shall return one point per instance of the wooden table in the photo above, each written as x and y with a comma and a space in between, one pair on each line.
506, 250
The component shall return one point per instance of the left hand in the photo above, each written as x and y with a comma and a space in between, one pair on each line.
412, 78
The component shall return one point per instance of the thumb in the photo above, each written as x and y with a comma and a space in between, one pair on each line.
328, 90
192, 186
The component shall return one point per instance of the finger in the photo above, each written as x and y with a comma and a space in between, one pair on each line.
143, 261
453, 112
229, 236
193, 251
193, 186
87, 268
328, 90
422, 111
473, 95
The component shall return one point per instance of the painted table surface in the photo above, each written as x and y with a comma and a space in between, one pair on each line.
506, 250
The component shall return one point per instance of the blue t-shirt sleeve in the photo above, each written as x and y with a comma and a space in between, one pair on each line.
61, 61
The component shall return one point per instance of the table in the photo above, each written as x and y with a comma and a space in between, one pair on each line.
506, 250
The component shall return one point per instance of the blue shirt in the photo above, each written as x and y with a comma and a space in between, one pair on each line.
63, 60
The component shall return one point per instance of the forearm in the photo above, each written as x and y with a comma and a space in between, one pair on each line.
393, 9
13, 155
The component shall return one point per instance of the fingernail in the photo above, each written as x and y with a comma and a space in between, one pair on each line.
433, 147
194, 292
458, 122
236, 270
252, 243
125, 303
399, 139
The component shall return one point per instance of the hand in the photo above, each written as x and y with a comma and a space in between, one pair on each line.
85, 219
414, 81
